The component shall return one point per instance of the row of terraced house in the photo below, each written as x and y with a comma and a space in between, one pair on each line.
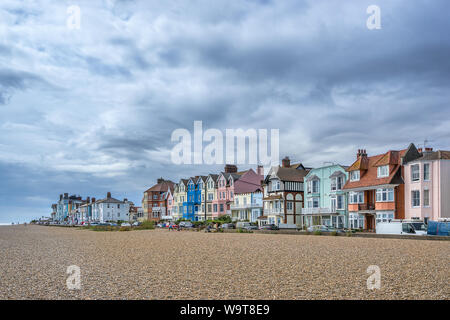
405, 184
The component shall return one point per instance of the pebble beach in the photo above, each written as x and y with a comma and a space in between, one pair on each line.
162, 264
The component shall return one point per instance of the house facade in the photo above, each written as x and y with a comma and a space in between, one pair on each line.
248, 194
427, 185
325, 199
225, 191
179, 197
201, 213
284, 194
211, 196
155, 200
110, 209
376, 188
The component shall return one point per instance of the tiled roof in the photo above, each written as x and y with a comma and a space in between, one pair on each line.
369, 176
436, 155
109, 200
161, 187
291, 174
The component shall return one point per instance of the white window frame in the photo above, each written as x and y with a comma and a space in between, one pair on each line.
355, 175
425, 171
415, 174
383, 195
413, 198
383, 171
426, 204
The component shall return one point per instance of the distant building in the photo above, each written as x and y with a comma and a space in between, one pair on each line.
155, 200
110, 209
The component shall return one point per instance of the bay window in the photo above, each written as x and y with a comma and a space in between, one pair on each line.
415, 172
356, 197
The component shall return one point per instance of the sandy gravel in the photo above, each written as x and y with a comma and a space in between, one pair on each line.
158, 264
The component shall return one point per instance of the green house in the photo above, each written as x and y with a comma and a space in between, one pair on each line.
325, 199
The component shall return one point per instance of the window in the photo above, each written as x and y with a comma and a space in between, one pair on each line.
275, 185
426, 171
356, 197
289, 205
415, 198
385, 195
340, 202
231, 194
415, 174
236, 201
426, 198
210, 196
118, 206
221, 207
384, 216
155, 197
383, 171
209, 208
315, 186
354, 175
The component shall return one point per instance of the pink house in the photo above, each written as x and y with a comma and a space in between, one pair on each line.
427, 185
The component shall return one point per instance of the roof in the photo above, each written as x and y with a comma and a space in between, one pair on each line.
436, 155
108, 200
369, 176
291, 174
161, 187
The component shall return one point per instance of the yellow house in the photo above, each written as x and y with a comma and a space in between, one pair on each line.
179, 196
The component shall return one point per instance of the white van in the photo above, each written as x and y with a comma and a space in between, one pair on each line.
408, 227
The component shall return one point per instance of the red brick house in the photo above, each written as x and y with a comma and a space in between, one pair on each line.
376, 188
154, 203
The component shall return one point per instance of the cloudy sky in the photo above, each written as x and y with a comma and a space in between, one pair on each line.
91, 110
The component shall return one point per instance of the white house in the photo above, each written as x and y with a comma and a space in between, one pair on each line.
110, 209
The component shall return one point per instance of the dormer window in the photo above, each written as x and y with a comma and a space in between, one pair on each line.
383, 171
354, 175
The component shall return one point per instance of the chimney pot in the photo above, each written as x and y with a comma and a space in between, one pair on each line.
286, 162
108, 195
230, 168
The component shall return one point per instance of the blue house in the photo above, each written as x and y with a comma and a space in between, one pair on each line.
193, 200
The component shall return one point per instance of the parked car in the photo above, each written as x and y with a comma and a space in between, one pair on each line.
186, 224
137, 223
250, 227
227, 226
402, 227
125, 224
269, 227
94, 223
321, 228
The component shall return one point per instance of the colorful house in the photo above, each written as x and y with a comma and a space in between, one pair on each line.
180, 196
427, 185
110, 209
201, 213
376, 188
325, 199
283, 194
248, 194
211, 196
225, 191
190, 206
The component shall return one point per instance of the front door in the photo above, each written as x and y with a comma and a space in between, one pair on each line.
370, 223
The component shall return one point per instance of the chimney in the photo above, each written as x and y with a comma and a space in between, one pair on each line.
260, 170
60, 197
88, 199
66, 195
419, 150
361, 153
286, 162
93, 200
108, 195
428, 150
230, 168
160, 180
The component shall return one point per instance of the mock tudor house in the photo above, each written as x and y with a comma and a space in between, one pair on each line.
284, 194
376, 187
427, 185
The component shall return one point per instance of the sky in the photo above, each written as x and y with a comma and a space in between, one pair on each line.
91, 110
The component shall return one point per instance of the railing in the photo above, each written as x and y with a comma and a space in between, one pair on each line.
365, 206
273, 211
317, 210
246, 206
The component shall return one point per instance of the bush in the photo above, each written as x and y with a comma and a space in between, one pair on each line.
349, 234
317, 232
125, 229
334, 233
147, 225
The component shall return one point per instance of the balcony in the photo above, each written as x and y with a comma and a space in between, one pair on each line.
245, 206
366, 207
276, 211
317, 210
